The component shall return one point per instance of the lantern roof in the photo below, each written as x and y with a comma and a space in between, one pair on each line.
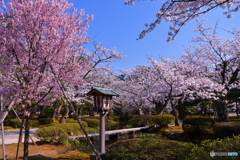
103, 91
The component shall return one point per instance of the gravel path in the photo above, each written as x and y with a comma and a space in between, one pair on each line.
11, 137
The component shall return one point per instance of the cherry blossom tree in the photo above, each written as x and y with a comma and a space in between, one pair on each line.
179, 81
179, 12
220, 57
168, 83
41, 44
99, 74
133, 89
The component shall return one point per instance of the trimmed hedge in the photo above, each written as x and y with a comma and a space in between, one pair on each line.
148, 149
197, 124
92, 122
52, 133
59, 132
225, 129
45, 120
15, 123
164, 120
141, 120
110, 124
95, 122
202, 152
157, 149
47, 112
72, 127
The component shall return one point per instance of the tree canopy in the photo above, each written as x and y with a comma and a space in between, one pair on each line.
180, 12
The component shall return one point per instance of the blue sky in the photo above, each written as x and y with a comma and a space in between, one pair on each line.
116, 25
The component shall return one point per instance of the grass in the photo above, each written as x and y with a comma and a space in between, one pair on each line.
234, 118
78, 156
172, 129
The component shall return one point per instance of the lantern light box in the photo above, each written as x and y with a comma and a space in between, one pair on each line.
102, 98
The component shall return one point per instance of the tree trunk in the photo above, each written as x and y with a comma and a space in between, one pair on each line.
159, 107
80, 123
64, 114
203, 106
78, 109
91, 112
54, 113
221, 108
140, 111
175, 113
237, 108
26, 138
20, 138
58, 112
181, 112
57, 108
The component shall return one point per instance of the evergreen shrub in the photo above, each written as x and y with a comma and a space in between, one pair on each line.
114, 118
148, 149
45, 120
197, 124
225, 129
52, 134
162, 121
110, 124
47, 112
157, 149
15, 123
124, 118
141, 120
92, 122
72, 127
202, 151
59, 132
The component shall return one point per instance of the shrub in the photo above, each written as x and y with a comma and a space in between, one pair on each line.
71, 116
11, 115
141, 120
81, 145
202, 151
114, 118
45, 120
148, 148
7, 122
47, 112
34, 118
75, 144
234, 118
164, 120
110, 124
59, 132
225, 129
92, 122
15, 123
125, 117
52, 133
197, 124
71, 127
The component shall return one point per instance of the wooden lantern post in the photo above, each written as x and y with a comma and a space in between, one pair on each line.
103, 105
